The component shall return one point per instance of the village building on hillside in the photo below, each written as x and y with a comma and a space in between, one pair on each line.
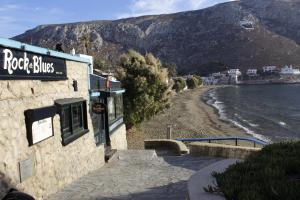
289, 70
234, 75
58, 119
269, 69
251, 72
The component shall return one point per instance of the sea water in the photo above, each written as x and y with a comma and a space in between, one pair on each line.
268, 112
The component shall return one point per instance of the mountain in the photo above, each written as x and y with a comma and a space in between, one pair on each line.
240, 34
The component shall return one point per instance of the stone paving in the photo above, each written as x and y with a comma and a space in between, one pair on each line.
137, 176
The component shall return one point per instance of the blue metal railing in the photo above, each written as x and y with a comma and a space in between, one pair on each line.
236, 139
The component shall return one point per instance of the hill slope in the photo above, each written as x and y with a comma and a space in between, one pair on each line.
247, 33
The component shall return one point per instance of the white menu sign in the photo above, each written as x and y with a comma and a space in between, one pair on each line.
41, 130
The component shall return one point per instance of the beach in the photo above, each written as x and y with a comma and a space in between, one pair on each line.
189, 117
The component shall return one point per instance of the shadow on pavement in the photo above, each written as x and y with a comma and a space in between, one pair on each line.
190, 162
172, 191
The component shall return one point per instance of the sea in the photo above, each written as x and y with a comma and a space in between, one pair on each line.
267, 112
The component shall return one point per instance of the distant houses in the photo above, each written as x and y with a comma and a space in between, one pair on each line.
236, 76
269, 69
251, 72
289, 70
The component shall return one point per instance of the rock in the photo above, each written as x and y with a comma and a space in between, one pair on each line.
191, 39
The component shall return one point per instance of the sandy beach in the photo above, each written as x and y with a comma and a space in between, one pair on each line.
189, 117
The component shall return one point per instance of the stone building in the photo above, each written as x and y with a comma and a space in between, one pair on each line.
57, 119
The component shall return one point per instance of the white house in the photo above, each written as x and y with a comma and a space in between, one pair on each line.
251, 72
288, 70
234, 74
269, 69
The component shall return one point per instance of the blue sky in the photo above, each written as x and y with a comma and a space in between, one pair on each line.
17, 16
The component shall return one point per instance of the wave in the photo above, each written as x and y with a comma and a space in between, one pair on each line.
246, 121
219, 105
282, 123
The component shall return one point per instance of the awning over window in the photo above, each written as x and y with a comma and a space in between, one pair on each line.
68, 101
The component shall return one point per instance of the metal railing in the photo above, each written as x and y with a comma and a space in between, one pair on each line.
235, 139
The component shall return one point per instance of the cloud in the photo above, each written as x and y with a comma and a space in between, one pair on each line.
14, 19
8, 7
9, 25
152, 7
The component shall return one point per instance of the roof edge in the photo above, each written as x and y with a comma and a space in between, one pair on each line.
35, 49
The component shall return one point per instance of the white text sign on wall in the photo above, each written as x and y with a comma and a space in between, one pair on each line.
19, 64
42, 130
39, 124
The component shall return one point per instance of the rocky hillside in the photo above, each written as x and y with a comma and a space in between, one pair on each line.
246, 33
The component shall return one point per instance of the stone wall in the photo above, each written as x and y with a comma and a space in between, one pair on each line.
55, 165
220, 150
118, 138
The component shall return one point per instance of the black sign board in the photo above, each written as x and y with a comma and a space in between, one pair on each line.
18, 64
39, 124
98, 108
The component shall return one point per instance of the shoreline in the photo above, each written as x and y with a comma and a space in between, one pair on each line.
189, 116
220, 112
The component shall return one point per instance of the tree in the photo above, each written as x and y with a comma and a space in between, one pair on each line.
86, 42
172, 71
192, 82
179, 84
144, 80
199, 79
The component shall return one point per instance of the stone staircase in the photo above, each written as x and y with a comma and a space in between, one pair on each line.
136, 155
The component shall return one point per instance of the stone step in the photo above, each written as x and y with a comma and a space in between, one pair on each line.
111, 156
130, 155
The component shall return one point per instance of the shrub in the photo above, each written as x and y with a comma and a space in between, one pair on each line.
179, 84
272, 173
172, 71
192, 82
144, 80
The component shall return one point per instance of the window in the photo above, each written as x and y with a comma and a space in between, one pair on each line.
73, 118
115, 108
119, 106
111, 109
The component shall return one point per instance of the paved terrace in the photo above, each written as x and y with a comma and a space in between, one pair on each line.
137, 175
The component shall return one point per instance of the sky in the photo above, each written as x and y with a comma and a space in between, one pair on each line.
17, 16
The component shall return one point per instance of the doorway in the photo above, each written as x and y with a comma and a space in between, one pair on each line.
100, 125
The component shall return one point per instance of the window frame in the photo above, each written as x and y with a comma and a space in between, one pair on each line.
116, 116
73, 133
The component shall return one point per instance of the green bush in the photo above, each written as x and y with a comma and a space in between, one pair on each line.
192, 82
179, 84
273, 173
172, 71
144, 80
199, 79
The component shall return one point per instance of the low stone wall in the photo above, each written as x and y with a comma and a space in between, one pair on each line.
118, 138
175, 146
220, 150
